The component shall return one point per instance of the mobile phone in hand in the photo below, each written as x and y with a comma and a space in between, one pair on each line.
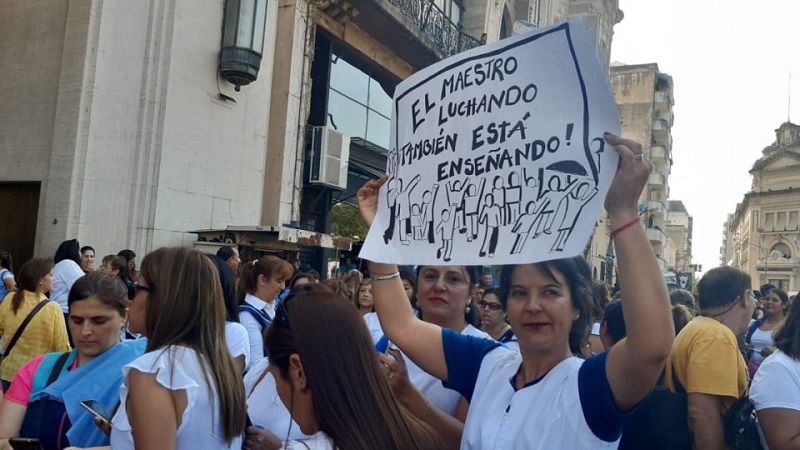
25, 444
97, 409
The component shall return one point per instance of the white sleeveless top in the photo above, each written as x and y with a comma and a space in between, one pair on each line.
177, 368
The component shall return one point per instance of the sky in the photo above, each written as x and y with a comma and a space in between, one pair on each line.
730, 62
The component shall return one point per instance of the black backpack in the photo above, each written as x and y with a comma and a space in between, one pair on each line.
741, 426
660, 422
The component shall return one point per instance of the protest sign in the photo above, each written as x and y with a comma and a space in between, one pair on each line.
497, 155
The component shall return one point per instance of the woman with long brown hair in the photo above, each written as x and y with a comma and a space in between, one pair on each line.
329, 378
185, 392
46, 332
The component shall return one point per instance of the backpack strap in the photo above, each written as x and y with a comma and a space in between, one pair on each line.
261, 317
22, 326
679, 389
54, 373
57, 367
752, 329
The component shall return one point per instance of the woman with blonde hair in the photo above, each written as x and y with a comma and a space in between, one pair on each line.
185, 392
353, 281
364, 297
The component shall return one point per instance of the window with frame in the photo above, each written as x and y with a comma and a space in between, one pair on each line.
358, 106
452, 9
769, 221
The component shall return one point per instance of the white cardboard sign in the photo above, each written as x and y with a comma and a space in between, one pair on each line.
497, 154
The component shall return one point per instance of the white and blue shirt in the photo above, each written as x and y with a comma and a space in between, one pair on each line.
570, 407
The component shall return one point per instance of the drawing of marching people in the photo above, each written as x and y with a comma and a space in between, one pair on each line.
445, 230
455, 200
471, 207
422, 216
524, 226
513, 198
491, 217
400, 202
499, 195
576, 195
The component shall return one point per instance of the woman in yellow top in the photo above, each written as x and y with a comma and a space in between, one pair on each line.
45, 333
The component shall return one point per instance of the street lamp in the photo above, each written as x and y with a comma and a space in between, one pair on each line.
242, 40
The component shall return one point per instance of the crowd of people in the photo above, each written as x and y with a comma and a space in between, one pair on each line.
196, 351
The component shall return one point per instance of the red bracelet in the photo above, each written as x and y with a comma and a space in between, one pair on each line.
622, 228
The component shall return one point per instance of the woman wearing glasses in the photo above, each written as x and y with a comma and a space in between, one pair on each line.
185, 392
493, 317
544, 397
444, 298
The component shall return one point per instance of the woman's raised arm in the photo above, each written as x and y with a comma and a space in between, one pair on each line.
421, 341
635, 363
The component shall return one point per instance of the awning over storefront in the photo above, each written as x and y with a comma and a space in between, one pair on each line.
268, 238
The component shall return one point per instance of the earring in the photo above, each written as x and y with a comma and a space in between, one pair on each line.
466, 310
577, 316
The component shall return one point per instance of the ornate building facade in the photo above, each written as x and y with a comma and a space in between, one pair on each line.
763, 235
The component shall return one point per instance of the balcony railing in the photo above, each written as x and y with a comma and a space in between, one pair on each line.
435, 24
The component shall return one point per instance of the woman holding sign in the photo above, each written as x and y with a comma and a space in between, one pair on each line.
548, 307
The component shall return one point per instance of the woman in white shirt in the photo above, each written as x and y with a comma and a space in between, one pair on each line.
185, 393
235, 333
553, 399
66, 271
759, 336
260, 282
775, 391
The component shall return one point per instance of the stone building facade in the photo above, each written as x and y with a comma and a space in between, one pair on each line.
644, 96
763, 235
117, 129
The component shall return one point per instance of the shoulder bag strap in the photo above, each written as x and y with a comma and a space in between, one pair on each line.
41, 409
22, 326
62, 359
676, 382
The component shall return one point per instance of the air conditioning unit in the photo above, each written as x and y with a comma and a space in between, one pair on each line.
330, 156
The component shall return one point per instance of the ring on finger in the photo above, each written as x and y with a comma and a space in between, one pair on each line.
638, 157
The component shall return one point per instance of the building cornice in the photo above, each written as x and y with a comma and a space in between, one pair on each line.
762, 163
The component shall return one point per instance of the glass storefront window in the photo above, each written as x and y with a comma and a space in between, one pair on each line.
349, 80
378, 129
357, 104
347, 116
379, 100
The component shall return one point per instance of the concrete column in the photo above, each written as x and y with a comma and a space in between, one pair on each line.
291, 96
60, 198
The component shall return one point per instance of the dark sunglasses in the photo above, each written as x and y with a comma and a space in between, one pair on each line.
492, 306
136, 287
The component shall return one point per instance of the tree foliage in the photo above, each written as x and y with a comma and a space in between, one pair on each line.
346, 221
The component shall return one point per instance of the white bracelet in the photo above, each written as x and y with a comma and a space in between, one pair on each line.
386, 277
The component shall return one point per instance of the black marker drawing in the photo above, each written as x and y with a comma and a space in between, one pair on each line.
491, 217
491, 151
400, 200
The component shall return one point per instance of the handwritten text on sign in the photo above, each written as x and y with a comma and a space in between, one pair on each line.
497, 154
